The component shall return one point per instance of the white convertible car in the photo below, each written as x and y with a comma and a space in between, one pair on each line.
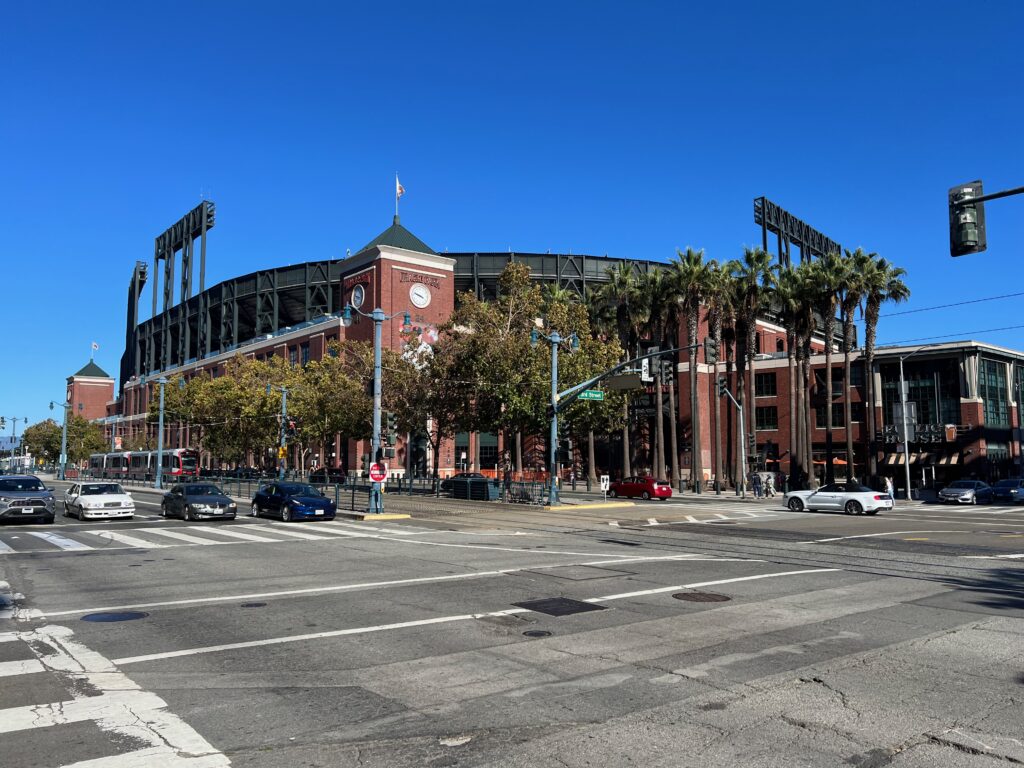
98, 500
852, 498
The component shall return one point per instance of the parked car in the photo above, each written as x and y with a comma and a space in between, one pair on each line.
644, 487
447, 484
1011, 489
98, 500
324, 475
851, 498
24, 497
197, 501
966, 492
292, 501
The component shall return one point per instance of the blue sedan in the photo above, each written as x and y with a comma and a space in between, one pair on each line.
292, 501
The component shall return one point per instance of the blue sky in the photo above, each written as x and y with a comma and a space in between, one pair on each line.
630, 129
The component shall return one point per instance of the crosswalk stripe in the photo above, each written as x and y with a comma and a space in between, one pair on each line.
328, 528
59, 541
4, 548
124, 538
20, 667
246, 536
173, 534
286, 532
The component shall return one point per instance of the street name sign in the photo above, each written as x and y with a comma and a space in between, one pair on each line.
591, 394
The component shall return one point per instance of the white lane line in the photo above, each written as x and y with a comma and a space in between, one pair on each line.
395, 583
326, 529
869, 535
280, 529
652, 521
20, 667
992, 557
59, 541
435, 620
5, 548
692, 519
180, 536
246, 536
121, 708
614, 523
131, 541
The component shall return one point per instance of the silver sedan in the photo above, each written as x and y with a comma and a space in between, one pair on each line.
851, 498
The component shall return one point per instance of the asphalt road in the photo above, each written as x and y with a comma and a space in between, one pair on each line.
697, 632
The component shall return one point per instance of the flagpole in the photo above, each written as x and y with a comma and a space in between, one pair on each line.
396, 194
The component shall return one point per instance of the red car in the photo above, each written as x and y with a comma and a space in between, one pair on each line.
644, 487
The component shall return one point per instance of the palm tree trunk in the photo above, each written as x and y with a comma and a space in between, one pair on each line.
741, 389
869, 382
692, 319
716, 415
751, 420
809, 419
659, 430
626, 469
847, 409
591, 459
796, 443
829, 333
519, 451
673, 437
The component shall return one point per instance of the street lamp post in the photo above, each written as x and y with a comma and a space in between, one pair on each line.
282, 446
554, 339
160, 437
61, 474
14, 437
378, 317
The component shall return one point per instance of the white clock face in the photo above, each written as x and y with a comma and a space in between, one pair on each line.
358, 296
419, 295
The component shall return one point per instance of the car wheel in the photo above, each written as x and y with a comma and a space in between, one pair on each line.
255, 510
81, 513
49, 520
286, 515
796, 505
853, 508
66, 513
612, 494
645, 496
974, 499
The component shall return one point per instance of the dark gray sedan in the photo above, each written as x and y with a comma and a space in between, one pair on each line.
198, 501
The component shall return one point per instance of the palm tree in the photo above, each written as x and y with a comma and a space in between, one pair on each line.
718, 300
622, 294
787, 301
756, 280
806, 323
691, 276
883, 282
654, 289
553, 293
830, 272
853, 291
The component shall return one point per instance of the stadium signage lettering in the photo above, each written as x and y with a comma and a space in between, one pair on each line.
410, 277
355, 280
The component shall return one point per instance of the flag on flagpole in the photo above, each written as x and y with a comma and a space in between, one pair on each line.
399, 189
95, 346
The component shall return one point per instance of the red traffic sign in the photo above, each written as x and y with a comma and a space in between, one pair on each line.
378, 472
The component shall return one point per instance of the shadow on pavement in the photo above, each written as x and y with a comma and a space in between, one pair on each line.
999, 588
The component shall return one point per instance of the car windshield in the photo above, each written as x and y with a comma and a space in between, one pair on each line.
21, 484
299, 490
962, 484
857, 488
98, 489
201, 489
1007, 483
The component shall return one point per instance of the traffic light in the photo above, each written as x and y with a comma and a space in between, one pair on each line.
723, 386
565, 455
3, 422
290, 428
710, 350
365, 462
966, 220
390, 427
751, 442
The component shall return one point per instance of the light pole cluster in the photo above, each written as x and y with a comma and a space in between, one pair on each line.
554, 339
62, 472
283, 446
378, 317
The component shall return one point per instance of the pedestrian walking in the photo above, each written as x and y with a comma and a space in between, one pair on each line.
769, 485
755, 483
889, 487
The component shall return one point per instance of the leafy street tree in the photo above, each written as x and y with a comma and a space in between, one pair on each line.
42, 440
84, 438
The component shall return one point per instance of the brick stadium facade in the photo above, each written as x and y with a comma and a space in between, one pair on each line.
966, 392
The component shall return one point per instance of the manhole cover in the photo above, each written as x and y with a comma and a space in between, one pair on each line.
701, 597
115, 616
559, 606
253, 605
537, 633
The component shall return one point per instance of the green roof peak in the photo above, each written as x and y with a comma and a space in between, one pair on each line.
398, 236
93, 370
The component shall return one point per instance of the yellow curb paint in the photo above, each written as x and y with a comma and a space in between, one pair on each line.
1012, 536
916, 539
371, 516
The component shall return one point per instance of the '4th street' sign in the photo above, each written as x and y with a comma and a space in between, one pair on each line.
591, 394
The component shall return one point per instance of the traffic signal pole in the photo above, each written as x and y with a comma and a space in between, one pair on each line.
741, 481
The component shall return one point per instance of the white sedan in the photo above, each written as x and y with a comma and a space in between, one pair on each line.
98, 500
852, 498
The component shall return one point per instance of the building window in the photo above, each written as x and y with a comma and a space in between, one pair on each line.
764, 385
780, 345
857, 412
766, 417
837, 415
992, 388
837, 378
293, 355
304, 349
997, 451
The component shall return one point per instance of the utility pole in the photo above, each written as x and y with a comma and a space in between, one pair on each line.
62, 472
283, 444
379, 318
741, 481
